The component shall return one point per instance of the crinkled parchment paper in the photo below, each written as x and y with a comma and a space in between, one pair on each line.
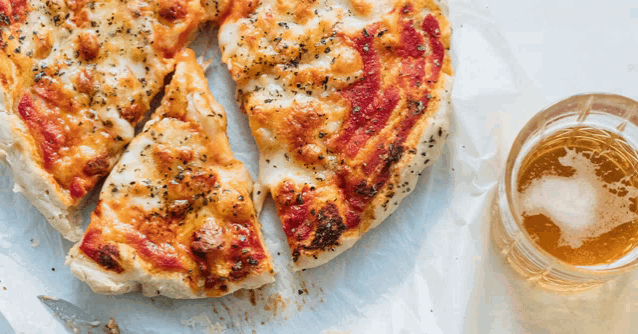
429, 267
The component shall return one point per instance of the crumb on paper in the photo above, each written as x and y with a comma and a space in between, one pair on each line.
72, 325
203, 320
17, 188
253, 298
112, 327
35, 243
204, 63
239, 294
273, 304
332, 331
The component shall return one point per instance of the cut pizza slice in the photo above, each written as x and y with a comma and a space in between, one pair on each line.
175, 215
348, 101
75, 79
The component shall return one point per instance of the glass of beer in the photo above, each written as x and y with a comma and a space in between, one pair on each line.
566, 211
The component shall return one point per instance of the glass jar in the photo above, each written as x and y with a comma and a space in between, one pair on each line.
601, 120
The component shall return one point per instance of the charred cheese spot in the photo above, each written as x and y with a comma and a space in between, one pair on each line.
132, 113
43, 41
362, 7
97, 166
330, 227
76, 4
85, 81
309, 223
106, 255
299, 131
208, 246
88, 46
173, 9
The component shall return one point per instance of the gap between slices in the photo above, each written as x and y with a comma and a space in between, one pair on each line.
175, 215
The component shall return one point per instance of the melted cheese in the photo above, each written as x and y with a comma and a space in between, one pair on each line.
338, 93
179, 199
93, 67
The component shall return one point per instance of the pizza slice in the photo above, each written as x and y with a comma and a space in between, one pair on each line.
348, 101
75, 79
175, 215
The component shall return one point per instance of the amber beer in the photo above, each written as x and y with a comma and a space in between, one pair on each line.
566, 213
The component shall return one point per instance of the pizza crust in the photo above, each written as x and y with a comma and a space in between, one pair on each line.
137, 278
36, 184
409, 174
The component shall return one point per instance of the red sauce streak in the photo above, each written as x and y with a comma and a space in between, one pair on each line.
52, 95
370, 108
90, 243
412, 50
294, 218
303, 229
77, 188
153, 253
16, 11
374, 118
411, 41
50, 135
245, 238
6, 10
19, 8
393, 149
437, 51
293, 209
407, 8
359, 192
353, 218
413, 72
407, 123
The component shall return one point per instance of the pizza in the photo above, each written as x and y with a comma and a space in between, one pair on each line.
175, 215
348, 101
76, 76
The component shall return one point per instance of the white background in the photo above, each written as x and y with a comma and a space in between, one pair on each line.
429, 268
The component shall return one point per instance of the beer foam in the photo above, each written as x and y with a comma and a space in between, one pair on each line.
582, 205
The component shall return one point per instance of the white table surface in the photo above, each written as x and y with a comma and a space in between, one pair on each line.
559, 48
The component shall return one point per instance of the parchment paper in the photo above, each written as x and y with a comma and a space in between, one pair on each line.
429, 268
